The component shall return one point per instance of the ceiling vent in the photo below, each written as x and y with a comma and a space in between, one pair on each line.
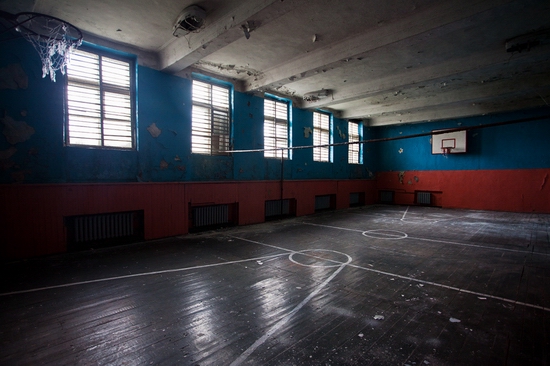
191, 19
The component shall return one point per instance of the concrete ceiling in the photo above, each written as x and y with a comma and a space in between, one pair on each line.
382, 61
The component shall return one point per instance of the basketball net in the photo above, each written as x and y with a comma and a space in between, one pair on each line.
55, 49
446, 150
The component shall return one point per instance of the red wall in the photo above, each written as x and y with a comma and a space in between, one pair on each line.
32, 221
519, 190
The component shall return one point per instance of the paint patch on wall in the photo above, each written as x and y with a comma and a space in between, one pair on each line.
13, 77
401, 176
307, 132
544, 180
5, 163
16, 131
154, 130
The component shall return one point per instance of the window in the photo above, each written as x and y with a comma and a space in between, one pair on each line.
275, 128
210, 118
100, 101
321, 136
354, 150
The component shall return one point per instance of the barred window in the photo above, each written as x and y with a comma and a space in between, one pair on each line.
321, 136
275, 128
354, 150
100, 101
210, 125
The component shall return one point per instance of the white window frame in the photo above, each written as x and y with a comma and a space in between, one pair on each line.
211, 118
355, 151
100, 100
276, 128
322, 135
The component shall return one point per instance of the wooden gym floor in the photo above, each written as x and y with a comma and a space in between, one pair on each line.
377, 285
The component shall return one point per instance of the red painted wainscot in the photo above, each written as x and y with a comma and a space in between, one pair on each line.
33, 216
519, 190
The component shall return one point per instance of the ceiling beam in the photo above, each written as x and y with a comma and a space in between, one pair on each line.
422, 22
220, 31
505, 104
466, 94
428, 74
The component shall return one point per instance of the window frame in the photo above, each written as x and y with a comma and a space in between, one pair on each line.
318, 134
103, 87
196, 149
277, 154
358, 147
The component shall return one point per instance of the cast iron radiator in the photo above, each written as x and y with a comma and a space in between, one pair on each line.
210, 215
424, 198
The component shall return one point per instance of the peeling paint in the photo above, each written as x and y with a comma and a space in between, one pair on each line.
177, 158
340, 133
154, 130
13, 77
16, 131
416, 179
163, 164
544, 180
401, 176
5, 163
20, 175
232, 68
307, 132
6, 154
400, 150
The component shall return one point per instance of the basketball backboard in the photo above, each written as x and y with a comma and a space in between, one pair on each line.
448, 143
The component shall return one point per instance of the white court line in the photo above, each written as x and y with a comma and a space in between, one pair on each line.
407, 210
479, 246
332, 227
137, 275
458, 289
284, 320
440, 241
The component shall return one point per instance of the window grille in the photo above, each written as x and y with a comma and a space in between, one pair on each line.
354, 150
210, 126
321, 136
100, 102
275, 128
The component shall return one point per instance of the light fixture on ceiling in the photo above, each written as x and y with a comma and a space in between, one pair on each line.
191, 19
316, 95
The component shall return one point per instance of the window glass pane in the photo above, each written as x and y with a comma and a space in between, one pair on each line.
354, 150
321, 136
275, 128
210, 127
99, 101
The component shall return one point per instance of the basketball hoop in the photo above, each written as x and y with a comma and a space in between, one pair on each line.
53, 39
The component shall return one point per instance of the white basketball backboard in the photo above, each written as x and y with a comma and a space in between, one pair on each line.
448, 143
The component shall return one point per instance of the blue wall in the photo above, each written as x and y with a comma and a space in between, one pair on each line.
511, 146
165, 101
34, 113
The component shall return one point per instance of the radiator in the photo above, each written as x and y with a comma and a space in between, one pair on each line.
103, 226
210, 215
273, 208
354, 199
424, 198
386, 196
322, 202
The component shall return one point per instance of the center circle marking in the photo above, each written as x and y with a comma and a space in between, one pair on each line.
384, 234
311, 253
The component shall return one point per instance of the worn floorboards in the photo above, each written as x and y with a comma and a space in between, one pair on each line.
377, 285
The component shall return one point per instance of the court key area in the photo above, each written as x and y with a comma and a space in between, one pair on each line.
374, 285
